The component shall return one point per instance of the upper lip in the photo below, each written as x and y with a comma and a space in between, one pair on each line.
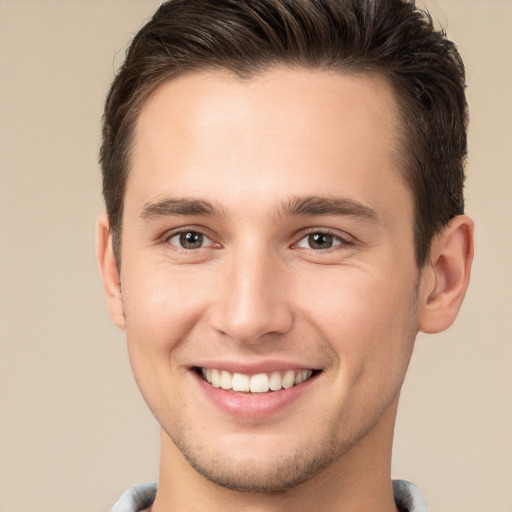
253, 368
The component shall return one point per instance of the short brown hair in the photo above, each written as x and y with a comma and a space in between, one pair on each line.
246, 37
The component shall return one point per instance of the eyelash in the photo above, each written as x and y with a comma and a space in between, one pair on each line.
342, 241
337, 240
182, 231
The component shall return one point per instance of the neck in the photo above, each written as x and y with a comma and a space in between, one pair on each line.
358, 481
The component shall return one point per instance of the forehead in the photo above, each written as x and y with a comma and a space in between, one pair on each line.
314, 128
313, 98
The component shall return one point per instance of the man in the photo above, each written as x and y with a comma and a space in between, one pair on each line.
283, 182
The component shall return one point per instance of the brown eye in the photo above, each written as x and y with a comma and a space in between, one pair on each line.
189, 240
319, 241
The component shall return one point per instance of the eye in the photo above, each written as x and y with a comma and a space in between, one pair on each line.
319, 241
189, 240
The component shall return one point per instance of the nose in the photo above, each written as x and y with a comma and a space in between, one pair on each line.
251, 300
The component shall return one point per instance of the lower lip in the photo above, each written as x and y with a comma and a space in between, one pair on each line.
253, 405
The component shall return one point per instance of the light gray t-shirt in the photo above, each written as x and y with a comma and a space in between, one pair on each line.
408, 498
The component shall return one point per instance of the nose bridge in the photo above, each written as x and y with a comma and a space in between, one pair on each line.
252, 299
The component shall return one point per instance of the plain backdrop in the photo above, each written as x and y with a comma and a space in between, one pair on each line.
74, 432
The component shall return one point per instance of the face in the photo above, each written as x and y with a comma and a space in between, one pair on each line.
268, 278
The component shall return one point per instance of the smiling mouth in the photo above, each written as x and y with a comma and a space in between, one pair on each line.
258, 383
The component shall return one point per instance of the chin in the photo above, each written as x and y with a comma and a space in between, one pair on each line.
262, 476
263, 469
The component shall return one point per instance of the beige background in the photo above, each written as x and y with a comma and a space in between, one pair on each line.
74, 432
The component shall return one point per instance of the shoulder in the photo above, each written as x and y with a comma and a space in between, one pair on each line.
408, 497
136, 499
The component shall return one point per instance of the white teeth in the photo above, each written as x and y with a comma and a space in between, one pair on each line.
240, 382
288, 379
275, 381
215, 378
259, 383
302, 376
226, 380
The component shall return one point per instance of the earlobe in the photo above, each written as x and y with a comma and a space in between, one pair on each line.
446, 277
109, 271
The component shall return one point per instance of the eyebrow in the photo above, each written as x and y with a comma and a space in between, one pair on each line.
176, 206
327, 206
293, 207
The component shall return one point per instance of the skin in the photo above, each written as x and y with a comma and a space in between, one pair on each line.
257, 291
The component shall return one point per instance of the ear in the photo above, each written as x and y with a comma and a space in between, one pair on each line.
109, 271
446, 277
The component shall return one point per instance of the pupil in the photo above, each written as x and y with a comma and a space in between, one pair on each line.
191, 240
320, 241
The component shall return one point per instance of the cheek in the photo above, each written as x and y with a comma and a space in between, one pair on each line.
161, 308
368, 318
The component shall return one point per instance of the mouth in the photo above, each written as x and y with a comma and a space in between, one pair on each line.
258, 383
